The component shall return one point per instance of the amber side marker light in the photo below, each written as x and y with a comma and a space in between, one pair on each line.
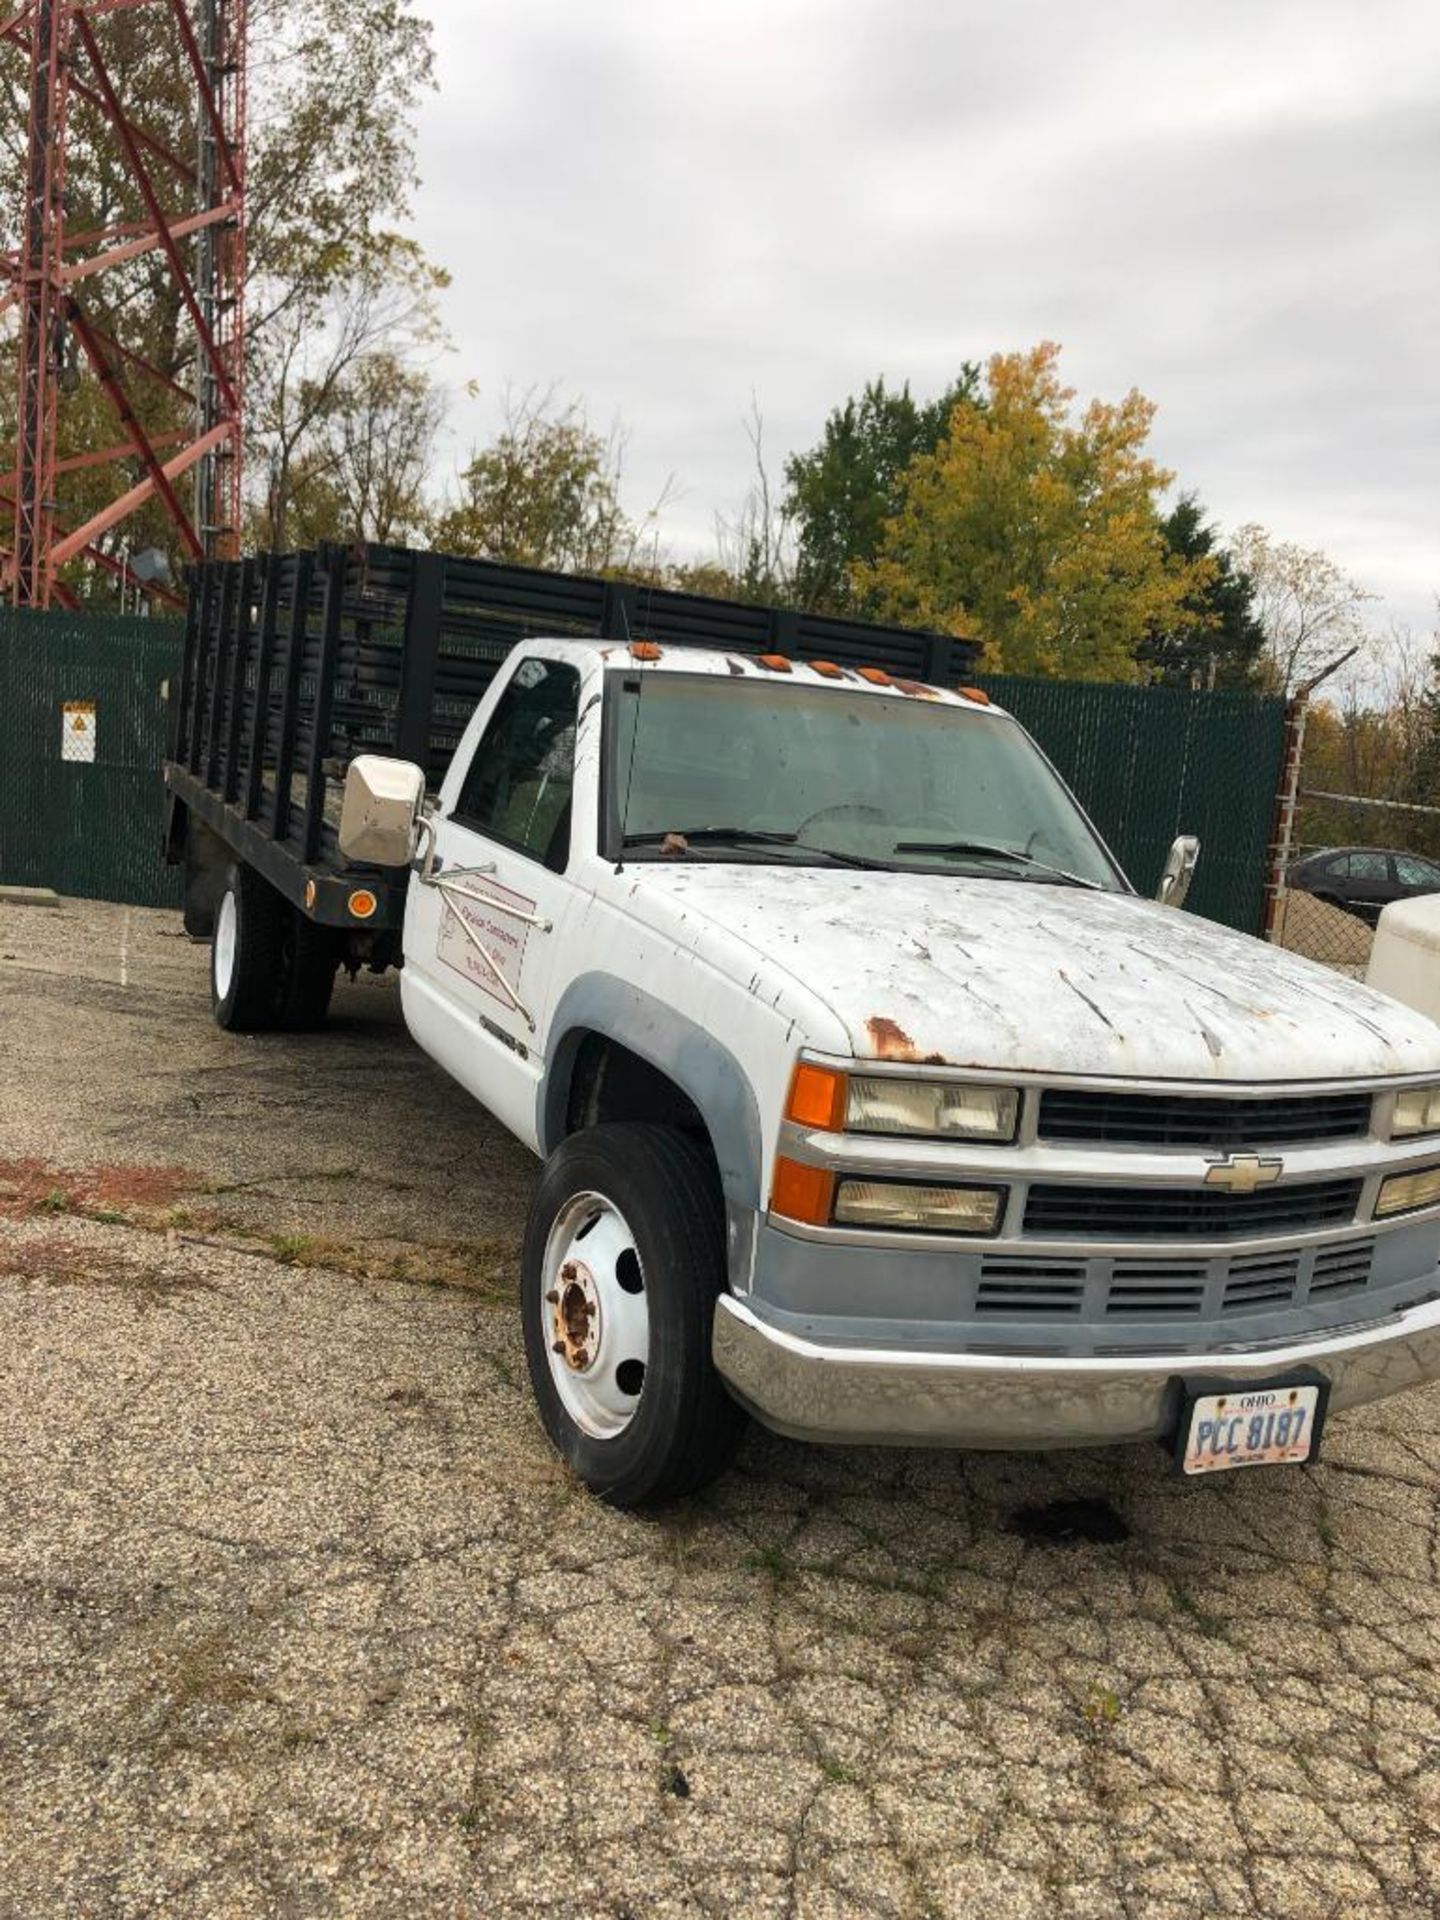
802, 1193
362, 904
817, 1097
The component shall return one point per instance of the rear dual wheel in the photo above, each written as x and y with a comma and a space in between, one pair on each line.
624, 1261
269, 966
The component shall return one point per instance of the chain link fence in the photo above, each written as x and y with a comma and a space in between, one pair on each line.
1351, 856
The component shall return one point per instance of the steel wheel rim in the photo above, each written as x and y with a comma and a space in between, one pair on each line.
225, 931
595, 1315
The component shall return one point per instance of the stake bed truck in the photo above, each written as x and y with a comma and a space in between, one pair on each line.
872, 1100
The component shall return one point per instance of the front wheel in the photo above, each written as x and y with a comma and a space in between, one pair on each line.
624, 1260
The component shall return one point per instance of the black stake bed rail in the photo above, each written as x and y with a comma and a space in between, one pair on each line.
296, 662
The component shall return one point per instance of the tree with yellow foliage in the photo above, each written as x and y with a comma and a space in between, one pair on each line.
1037, 533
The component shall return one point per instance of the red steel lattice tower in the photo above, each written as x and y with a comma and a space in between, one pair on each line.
193, 214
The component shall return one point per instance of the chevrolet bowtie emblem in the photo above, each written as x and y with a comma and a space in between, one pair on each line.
1243, 1172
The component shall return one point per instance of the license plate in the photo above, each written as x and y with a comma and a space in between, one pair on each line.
1251, 1427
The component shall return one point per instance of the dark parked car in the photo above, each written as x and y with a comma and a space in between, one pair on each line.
1362, 880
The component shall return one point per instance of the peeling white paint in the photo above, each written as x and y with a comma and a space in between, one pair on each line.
1011, 974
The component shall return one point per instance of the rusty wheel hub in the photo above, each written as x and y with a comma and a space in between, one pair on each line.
575, 1313
596, 1315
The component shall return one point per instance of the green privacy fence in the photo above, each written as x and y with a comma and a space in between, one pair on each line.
1147, 762
80, 686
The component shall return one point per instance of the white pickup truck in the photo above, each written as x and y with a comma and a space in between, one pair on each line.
872, 1100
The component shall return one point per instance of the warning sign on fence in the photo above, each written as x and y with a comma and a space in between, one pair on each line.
77, 730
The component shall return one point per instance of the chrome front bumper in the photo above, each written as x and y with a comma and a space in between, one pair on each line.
813, 1390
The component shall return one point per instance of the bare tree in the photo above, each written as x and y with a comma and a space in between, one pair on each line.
755, 546
363, 470
1309, 608
325, 358
547, 492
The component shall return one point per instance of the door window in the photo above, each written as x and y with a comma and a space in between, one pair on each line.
1368, 866
1415, 872
518, 786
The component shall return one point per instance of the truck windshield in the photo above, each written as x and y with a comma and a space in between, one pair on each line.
708, 768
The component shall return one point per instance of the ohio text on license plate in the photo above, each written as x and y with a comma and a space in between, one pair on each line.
1257, 1427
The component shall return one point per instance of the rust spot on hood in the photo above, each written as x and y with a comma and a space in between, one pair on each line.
889, 1041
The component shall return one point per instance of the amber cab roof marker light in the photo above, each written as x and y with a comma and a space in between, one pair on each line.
827, 669
776, 662
644, 650
877, 676
977, 694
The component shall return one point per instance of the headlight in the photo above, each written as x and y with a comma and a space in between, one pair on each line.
1417, 1110
946, 1110
1404, 1192
886, 1203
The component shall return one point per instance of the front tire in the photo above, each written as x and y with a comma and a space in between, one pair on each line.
624, 1260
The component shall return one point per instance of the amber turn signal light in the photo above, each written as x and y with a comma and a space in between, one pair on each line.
817, 1097
362, 903
802, 1193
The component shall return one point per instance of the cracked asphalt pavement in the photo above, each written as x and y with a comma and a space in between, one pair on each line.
300, 1616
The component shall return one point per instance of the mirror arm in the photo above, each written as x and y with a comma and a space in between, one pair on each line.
425, 836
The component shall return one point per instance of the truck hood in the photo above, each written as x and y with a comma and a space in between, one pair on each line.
1007, 974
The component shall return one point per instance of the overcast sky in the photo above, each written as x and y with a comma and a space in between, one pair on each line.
666, 205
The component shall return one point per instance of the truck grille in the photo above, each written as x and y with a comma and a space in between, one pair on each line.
1181, 1213
1208, 1121
1013, 1288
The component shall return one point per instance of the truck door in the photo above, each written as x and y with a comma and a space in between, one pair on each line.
480, 937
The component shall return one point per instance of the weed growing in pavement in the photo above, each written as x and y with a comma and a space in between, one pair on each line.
837, 1772
772, 1560
1102, 1709
1210, 1624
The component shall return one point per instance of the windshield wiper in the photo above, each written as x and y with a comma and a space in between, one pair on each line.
746, 837
979, 848
735, 836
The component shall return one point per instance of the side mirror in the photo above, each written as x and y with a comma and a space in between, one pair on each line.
380, 811
1179, 871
